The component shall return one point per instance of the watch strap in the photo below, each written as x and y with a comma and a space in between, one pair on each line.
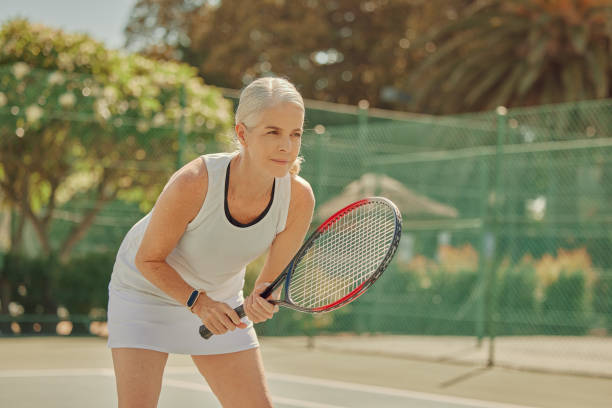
192, 298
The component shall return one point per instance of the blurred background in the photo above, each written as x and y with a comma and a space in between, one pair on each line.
488, 122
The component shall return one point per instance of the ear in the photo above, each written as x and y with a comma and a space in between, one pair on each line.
241, 133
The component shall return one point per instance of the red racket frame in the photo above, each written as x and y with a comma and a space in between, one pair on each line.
285, 276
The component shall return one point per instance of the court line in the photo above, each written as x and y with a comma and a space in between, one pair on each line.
375, 389
349, 386
107, 372
281, 400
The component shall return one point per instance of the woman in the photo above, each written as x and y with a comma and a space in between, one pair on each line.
183, 264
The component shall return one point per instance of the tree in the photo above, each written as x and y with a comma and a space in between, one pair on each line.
515, 53
78, 120
334, 50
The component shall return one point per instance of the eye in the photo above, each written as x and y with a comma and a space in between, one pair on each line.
272, 132
297, 134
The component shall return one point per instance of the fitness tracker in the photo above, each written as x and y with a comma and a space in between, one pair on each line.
192, 298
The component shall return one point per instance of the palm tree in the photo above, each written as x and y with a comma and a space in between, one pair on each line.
515, 53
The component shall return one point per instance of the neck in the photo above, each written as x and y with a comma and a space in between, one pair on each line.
248, 181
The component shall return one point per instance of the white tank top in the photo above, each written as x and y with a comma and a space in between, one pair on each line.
213, 252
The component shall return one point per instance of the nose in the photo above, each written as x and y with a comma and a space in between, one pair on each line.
284, 144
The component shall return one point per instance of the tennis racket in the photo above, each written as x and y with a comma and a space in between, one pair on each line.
340, 260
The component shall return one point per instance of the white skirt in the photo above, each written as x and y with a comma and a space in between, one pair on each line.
138, 321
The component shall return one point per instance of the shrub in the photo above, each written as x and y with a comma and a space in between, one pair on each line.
564, 304
516, 303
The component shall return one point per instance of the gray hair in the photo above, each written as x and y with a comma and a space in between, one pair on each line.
264, 93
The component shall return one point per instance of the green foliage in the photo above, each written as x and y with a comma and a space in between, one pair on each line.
402, 301
602, 302
81, 285
42, 284
29, 281
106, 84
514, 53
564, 304
78, 118
437, 301
516, 300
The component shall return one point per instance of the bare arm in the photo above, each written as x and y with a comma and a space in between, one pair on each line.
287, 243
176, 206
283, 248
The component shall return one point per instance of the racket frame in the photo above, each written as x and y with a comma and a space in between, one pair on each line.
364, 285
285, 276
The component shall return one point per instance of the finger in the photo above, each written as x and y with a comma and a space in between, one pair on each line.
214, 322
227, 323
248, 307
233, 316
223, 320
213, 327
241, 324
263, 312
257, 313
265, 305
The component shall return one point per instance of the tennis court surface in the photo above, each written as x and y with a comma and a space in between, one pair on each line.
77, 372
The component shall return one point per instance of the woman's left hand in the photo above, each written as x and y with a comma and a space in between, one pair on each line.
257, 308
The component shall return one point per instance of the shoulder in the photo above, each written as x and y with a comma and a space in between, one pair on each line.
302, 198
301, 191
187, 188
191, 176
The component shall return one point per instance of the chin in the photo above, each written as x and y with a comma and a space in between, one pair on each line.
279, 170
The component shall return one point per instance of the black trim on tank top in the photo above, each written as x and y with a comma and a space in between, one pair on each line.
227, 212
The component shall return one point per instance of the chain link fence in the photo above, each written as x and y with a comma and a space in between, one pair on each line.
506, 216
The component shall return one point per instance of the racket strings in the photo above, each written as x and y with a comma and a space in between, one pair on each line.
343, 257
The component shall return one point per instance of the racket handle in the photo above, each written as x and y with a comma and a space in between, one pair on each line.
207, 334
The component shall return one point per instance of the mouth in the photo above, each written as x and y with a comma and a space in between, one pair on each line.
282, 162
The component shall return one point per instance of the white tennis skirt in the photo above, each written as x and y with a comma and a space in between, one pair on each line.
137, 321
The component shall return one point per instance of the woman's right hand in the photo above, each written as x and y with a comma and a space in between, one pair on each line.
218, 317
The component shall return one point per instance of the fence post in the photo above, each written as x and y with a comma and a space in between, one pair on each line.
502, 120
362, 120
552, 204
484, 228
320, 168
181, 133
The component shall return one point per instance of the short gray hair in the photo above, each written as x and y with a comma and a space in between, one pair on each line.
264, 93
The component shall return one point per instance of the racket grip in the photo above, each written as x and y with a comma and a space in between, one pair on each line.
207, 334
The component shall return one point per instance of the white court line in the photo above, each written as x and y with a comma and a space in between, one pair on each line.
75, 372
375, 389
282, 400
107, 372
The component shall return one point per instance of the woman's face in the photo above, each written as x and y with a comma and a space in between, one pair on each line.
274, 143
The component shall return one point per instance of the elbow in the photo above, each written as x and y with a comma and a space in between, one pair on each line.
141, 263
148, 264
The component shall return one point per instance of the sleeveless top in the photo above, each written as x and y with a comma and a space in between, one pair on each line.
214, 250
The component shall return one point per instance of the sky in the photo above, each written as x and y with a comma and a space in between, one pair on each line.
103, 20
